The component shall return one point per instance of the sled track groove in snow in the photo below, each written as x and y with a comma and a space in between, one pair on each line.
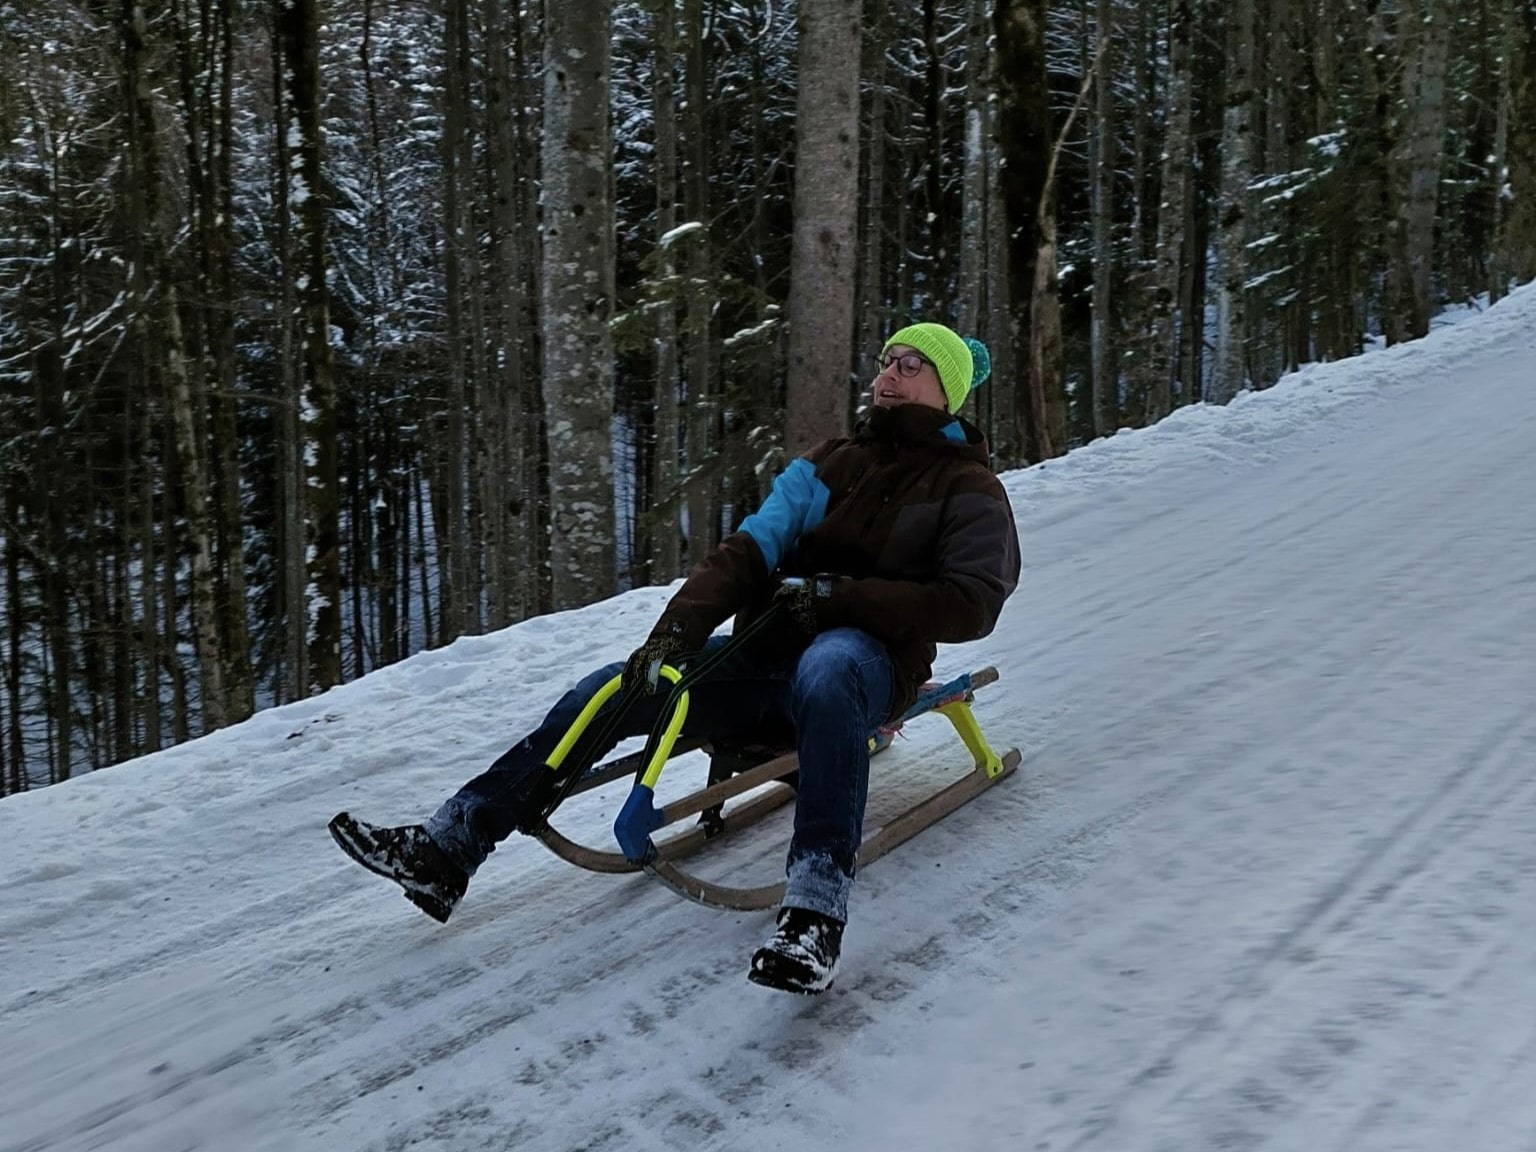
1493, 784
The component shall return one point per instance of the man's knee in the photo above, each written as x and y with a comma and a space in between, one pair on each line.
833, 668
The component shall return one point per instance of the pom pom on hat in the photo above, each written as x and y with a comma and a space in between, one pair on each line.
962, 363
981, 362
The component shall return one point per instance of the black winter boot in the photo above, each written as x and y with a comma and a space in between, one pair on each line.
410, 858
801, 956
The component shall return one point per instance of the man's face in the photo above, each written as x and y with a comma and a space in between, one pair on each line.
906, 376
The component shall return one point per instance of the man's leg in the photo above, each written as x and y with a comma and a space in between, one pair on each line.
508, 796
842, 689
433, 862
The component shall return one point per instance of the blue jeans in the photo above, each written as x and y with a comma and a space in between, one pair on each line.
832, 695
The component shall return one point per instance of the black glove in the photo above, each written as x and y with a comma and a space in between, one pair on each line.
644, 664
808, 601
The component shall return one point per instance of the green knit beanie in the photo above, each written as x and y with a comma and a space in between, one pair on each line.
962, 363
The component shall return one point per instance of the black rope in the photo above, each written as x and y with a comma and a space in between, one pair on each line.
697, 671
585, 751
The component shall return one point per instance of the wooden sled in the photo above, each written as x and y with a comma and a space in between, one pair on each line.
734, 773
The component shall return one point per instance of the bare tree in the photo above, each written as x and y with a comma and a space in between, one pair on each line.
1237, 143
1171, 212
509, 310
977, 156
144, 158
1418, 160
1106, 378
578, 299
299, 25
826, 197
872, 318
699, 359
665, 478
14, 742
452, 514
1498, 263
1521, 231
1024, 140
1515, 158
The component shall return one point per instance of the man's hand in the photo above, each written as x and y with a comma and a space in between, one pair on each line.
644, 664
808, 601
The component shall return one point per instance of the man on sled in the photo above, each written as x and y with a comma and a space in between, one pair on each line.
871, 550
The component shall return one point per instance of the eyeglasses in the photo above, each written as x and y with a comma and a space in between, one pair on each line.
908, 364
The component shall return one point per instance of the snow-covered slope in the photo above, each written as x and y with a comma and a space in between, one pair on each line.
1267, 876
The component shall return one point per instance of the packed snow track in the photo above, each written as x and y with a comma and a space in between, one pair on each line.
1266, 878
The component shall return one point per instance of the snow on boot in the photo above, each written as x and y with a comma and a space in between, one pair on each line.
801, 956
410, 858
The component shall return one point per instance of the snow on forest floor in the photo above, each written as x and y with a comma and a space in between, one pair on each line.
1266, 878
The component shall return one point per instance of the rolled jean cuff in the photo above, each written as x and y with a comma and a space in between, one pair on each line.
449, 829
816, 884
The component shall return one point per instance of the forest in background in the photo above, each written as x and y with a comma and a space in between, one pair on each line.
332, 330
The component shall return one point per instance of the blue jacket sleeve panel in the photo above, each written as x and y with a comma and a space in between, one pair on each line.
740, 569
795, 506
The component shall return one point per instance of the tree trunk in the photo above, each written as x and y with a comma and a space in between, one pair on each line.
1231, 372
145, 163
872, 314
1419, 160
976, 158
823, 256
935, 217
299, 21
149, 615
123, 631
1385, 256
1171, 213
1520, 224
1498, 263
509, 306
429, 635
578, 299
1004, 389
664, 559
358, 577
235, 626
1106, 380
699, 358
1522, 146
1024, 140
533, 502
1148, 54
14, 640
290, 486
1283, 321
383, 461
1205, 190
170, 637
452, 526
1047, 395
205, 623
206, 62
477, 566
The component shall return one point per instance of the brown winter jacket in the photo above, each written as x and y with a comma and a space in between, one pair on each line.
907, 509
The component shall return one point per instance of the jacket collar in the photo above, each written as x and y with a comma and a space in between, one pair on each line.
919, 424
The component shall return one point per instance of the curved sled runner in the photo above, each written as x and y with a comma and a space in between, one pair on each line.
730, 777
